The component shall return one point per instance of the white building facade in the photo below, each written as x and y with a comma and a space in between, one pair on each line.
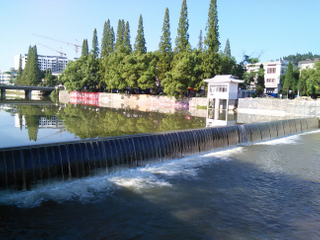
272, 72
7, 79
55, 63
309, 63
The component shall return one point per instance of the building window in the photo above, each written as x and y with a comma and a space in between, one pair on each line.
271, 70
269, 90
271, 80
218, 88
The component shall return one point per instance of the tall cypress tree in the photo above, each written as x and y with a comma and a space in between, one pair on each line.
211, 59
104, 42
260, 81
140, 43
165, 48
111, 41
107, 45
31, 75
182, 39
227, 49
289, 79
120, 35
165, 41
95, 46
200, 43
127, 37
212, 39
85, 48
19, 73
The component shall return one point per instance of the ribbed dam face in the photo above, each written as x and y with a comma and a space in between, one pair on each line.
23, 167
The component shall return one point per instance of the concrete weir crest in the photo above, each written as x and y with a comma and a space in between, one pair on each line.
24, 167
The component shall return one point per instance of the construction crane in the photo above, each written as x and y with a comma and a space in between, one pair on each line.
76, 44
61, 53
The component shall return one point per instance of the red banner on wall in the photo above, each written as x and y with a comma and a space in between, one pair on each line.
85, 98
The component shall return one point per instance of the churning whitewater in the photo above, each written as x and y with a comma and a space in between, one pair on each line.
96, 188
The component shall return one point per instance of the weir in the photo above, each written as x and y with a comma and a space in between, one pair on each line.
23, 167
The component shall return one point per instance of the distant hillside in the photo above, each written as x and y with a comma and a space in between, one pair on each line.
301, 57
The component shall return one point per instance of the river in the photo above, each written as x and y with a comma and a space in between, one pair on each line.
267, 190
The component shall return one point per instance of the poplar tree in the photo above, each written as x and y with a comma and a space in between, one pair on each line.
85, 48
127, 37
95, 46
212, 39
227, 49
165, 48
140, 43
182, 39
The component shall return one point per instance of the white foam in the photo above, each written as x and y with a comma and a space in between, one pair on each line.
155, 175
292, 140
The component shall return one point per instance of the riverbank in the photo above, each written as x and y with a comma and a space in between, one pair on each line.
279, 107
146, 103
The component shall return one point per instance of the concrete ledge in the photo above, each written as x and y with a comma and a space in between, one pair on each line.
279, 107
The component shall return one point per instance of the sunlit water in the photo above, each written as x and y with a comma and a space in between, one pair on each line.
268, 190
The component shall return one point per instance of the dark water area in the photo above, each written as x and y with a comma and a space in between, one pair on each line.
33, 124
267, 190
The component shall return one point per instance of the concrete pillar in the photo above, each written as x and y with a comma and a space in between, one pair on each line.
3, 93
28, 94
217, 103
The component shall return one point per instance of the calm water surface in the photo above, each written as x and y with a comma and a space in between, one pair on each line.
22, 125
268, 190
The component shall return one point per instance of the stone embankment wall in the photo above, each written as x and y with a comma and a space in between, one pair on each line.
144, 102
279, 107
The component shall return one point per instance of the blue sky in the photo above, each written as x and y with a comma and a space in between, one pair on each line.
268, 29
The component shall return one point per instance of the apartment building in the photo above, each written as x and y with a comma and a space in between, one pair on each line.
272, 72
55, 63
7, 79
309, 63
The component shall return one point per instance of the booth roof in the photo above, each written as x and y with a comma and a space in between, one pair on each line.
223, 79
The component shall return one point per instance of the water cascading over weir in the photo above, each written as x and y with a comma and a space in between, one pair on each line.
22, 167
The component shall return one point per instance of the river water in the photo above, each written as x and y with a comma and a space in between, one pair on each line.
268, 190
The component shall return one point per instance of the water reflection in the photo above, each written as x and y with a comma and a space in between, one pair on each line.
90, 122
219, 117
34, 117
81, 122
